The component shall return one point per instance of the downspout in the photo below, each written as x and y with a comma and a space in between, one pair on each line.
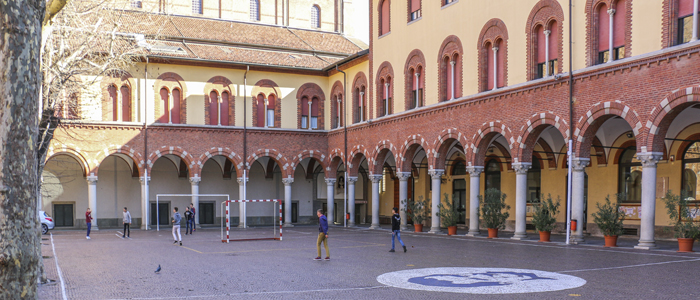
245, 146
145, 216
345, 132
571, 130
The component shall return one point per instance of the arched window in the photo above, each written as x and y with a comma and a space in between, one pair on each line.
197, 7
214, 108
125, 93
534, 181
223, 109
416, 88
685, 30
255, 10
629, 179
260, 111
547, 50
360, 104
384, 18
270, 110
315, 16
385, 85
690, 188
165, 104
113, 103
338, 118
450, 73
175, 111
493, 50
314, 113
414, 10
304, 113
493, 175
612, 24
119, 101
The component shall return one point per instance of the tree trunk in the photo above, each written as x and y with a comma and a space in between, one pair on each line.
20, 38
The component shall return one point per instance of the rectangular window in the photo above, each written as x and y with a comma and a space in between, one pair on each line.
197, 7
304, 122
314, 122
603, 56
685, 29
415, 15
619, 52
553, 67
445, 2
270, 118
540, 70
136, 4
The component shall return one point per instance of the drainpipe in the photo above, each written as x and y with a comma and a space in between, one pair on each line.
570, 153
245, 146
345, 131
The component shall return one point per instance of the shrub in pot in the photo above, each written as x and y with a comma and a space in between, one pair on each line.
679, 211
418, 211
447, 212
609, 219
544, 217
493, 211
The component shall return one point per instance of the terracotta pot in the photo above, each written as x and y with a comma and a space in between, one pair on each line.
544, 236
685, 245
451, 230
418, 227
493, 233
610, 241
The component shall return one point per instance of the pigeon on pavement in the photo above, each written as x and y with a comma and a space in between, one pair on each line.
158, 270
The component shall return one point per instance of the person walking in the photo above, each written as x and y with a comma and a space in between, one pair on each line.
189, 218
126, 220
322, 235
176, 226
194, 215
396, 229
88, 221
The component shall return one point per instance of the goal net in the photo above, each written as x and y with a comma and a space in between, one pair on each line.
161, 197
267, 214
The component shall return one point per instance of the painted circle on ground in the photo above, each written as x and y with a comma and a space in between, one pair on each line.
480, 280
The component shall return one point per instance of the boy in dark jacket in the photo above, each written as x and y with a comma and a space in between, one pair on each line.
322, 235
189, 217
396, 229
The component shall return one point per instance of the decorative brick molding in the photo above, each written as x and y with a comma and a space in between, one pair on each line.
669, 32
385, 74
315, 155
275, 156
414, 62
531, 131
484, 137
235, 159
337, 93
493, 31
57, 148
379, 15
544, 12
359, 84
311, 90
409, 9
589, 124
266, 87
178, 151
592, 28
170, 81
118, 80
664, 113
408, 150
443, 144
219, 84
378, 156
358, 154
335, 160
451, 49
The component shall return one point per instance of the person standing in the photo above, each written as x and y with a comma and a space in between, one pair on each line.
322, 235
189, 218
176, 226
194, 215
88, 221
126, 220
396, 229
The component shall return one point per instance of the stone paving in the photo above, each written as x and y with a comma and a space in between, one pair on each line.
108, 267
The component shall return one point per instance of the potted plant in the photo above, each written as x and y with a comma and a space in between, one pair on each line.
679, 211
494, 211
609, 219
417, 211
544, 217
448, 215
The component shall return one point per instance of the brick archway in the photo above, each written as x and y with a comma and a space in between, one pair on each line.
173, 150
236, 159
408, 150
274, 155
118, 80
356, 155
442, 145
595, 117
316, 155
126, 150
376, 163
663, 114
359, 85
337, 92
266, 87
532, 130
482, 139
592, 28
79, 157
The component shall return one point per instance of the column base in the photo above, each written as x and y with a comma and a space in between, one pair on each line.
374, 226
434, 230
473, 233
241, 226
94, 227
519, 236
577, 239
351, 224
646, 245
145, 227
287, 225
404, 227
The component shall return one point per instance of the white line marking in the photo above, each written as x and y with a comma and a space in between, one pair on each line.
119, 232
260, 293
633, 266
58, 269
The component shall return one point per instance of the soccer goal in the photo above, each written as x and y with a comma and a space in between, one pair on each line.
259, 232
158, 197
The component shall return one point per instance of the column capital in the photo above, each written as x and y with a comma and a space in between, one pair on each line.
403, 176
195, 180
386, 84
521, 168
494, 49
417, 74
91, 179
579, 164
240, 180
611, 11
351, 180
475, 171
362, 93
143, 179
330, 181
287, 181
436, 173
650, 159
453, 62
375, 178
547, 32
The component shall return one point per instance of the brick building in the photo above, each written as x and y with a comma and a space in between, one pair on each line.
481, 102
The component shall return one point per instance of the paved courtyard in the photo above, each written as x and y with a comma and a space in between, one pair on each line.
108, 267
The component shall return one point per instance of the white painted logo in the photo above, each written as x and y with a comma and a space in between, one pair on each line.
480, 280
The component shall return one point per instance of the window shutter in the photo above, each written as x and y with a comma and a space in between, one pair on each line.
223, 109
176, 106
603, 28
260, 111
415, 5
164, 106
554, 41
541, 45
619, 23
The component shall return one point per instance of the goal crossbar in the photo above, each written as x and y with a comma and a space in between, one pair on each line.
228, 202
182, 195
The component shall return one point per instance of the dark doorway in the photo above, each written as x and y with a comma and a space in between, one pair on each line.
459, 196
493, 175
206, 212
295, 212
163, 212
63, 215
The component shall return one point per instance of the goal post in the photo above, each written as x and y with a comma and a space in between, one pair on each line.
276, 218
182, 195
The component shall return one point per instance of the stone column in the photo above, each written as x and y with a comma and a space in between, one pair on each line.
194, 182
495, 67
520, 199
145, 205
403, 196
578, 181
351, 200
288, 201
646, 233
611, 47
375, 200
452, 78
546, 52
417, 90
435, 176
695, 21
92, 199
474, 188
241, 205
330, 215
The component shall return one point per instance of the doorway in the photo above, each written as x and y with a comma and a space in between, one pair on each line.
295, 212
459, 196
206, 213
63, 215
163, 212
